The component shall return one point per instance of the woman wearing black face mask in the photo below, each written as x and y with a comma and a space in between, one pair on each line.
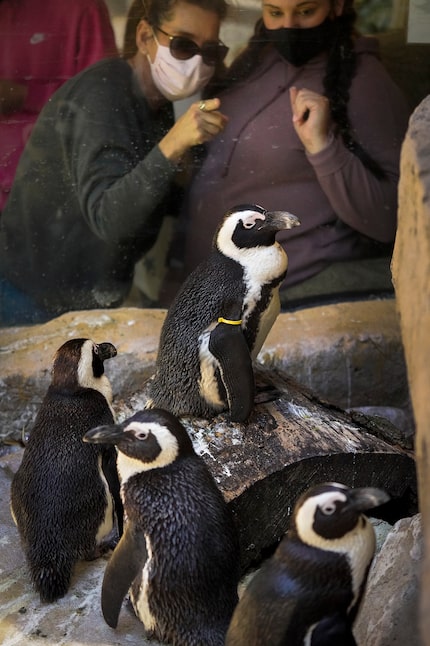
315, 126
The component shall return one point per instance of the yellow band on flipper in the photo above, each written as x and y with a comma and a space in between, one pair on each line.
229, 322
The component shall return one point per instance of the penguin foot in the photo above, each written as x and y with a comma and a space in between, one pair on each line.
18, 440
129, 605
103, 548
110, 545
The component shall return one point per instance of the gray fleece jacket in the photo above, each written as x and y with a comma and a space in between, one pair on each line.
90, 192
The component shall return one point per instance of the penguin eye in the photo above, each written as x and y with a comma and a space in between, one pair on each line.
142, 435
248, 225
328, 509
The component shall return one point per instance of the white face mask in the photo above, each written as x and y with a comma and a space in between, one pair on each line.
177, 79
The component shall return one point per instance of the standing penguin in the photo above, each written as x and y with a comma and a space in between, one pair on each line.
65, 494
179, 555
220, 318
310, 590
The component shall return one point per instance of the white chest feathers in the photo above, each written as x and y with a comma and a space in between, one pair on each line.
357, 545
141, 602
262, 266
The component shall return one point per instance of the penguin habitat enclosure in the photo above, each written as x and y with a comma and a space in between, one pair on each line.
261, 467
213, 451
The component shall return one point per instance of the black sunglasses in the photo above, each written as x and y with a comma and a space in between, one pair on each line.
183, 48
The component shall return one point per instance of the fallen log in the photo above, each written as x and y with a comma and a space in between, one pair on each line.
289, 443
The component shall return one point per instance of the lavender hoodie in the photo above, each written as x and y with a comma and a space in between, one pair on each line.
260, 159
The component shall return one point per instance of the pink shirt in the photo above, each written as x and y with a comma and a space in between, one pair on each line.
42, 44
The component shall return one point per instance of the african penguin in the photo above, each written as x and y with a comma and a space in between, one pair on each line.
65, 496
179, 554
309, 591
220, 318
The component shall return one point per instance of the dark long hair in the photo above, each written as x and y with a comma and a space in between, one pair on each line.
340, 70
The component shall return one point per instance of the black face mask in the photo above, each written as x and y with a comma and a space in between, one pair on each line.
298, 45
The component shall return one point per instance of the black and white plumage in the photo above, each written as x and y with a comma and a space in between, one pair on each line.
220, 318
179, 555
309, 591
65, 497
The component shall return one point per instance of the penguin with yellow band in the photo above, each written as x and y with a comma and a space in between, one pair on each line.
220, 318
228, 346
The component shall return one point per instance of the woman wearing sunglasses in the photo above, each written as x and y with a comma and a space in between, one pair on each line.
100, 170
315, 126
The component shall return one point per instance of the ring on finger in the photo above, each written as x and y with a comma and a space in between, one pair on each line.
202, 106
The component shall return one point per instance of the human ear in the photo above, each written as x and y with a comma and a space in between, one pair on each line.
143, 34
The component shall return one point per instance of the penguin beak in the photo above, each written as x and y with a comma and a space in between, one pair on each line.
367, 498
104, 435
279, 220
106, 351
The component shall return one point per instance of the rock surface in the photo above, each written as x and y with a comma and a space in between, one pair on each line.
392, 617
74, 620
336, 351
411, 271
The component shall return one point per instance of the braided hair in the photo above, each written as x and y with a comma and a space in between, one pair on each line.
340, 70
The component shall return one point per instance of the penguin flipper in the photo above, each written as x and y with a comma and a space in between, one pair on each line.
126, 562
228, 345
